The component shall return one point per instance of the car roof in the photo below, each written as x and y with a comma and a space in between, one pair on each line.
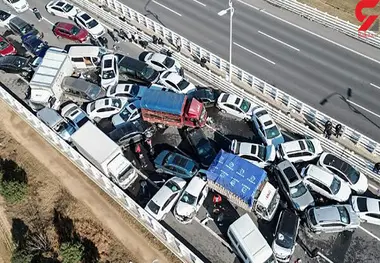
331, 160
291, 174
249, 148
158, 57
108, 57
320, 174
327, 214
132, 63
195, 186
178, 160
294, 146
102, 102
174, 77
64, 25
288, 223
60, 3
233, 99
11, 59
17, 20
266, 120
162, 195
83, 15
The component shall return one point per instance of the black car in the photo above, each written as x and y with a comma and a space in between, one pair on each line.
201, 145
285, 236
16, 64
4, 15
132, 132
135, 70
21, 28
206, 95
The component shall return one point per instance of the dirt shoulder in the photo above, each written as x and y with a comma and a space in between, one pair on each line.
6, 244
55, 167
344, 9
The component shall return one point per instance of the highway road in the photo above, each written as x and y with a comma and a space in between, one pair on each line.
269, 43
362, 246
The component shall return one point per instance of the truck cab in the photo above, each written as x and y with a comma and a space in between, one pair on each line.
195, 114
267, 202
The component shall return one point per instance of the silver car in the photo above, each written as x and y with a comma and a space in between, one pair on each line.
292, 186
285, 236
332, 219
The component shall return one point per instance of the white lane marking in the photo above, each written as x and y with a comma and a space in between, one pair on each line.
250, 51
199, 2
369, 233
325, 258
275, 39
321, 37
244, 3
357, 105
373, 85
197, 81
171, 10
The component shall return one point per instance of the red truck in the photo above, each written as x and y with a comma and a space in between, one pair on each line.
172, 109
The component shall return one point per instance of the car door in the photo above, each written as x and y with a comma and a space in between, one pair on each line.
318, 187
201, 197
231, 110
168, 204
64, 33
105, 112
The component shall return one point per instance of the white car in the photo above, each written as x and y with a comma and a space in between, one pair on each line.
176, 83
368, 209
160, 62
87, 22
18, 5
75, 115
266, 127
164, 200
235, 106
357, 181
5, 17
109, 74
300, 150
130, 112
326, 183
191, 200
105, 108
256, 154
132, 90
62, 8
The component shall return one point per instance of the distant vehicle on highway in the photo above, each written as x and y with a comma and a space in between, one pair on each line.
161, 62
62, 8
87, 22
357, 181
176, 82
191, 200
17, 65
21, 28
35, 45
164, 200
70, 31
235, 106
6, 48
300, 150
368, 209
175, 164
18, 5
332, 219
5, 17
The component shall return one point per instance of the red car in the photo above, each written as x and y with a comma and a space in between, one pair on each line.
70, 31
6, 48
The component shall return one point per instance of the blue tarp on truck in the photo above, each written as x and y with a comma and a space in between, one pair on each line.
236, 175
163, 101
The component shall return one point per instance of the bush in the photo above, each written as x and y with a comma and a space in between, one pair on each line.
71, 252
21, 256
12, 191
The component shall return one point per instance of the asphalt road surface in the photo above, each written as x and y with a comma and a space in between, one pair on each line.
300, 63
209, 241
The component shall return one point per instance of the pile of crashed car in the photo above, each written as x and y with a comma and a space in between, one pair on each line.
77, 89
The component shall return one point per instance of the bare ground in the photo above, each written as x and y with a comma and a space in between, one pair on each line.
344, 9
55, 183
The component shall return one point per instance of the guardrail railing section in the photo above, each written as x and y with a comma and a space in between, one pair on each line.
153, 226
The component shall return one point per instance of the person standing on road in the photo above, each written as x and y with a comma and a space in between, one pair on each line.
37, 13
178, 44
376, 168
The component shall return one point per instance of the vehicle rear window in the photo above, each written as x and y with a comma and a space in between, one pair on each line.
224, 98
86, 17
290, 174
362, 204
310, 146
174, 187
253, 149
108, 63
302, 145
237, 101
344, 216
153, 207
261, 113
267, 123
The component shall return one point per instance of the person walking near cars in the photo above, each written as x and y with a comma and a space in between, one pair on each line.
376, 168
37, 13
178, 44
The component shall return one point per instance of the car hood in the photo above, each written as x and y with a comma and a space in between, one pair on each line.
303, 201
184, 209
97, 30
20, 4
107, 83
281, 251
82, 34
344, 192
361, 185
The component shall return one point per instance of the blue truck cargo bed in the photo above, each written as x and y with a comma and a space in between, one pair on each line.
163, 101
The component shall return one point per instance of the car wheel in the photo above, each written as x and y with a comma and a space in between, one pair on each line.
159, 170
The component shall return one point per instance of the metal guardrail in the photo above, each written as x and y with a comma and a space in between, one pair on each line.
327, 20
153, 226
258, 85
283, 119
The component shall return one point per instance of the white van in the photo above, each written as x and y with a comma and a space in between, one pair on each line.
85, 56
248, 243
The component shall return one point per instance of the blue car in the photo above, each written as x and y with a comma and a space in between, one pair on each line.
176, 165
265, 127
130, 112
35, 45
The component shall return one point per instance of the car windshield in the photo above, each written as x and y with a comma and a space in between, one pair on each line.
108, 74
4, 15
168, 62
188, 198
74, 30
245, 105
352, 174
93, 23
27, 28
272, 132
344, 216
173, 186
310, 146
14, 1
67, 8
147, 72
135, 90
125, 114
297, 190
3, 45
335, 186
203, 148
94, 92
262, 153
284, 241
183, 84
153, 207
116, 103
39, 47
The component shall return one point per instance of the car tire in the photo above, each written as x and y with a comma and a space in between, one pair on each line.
159, 170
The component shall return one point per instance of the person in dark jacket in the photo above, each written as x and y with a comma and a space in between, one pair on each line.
37, 14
